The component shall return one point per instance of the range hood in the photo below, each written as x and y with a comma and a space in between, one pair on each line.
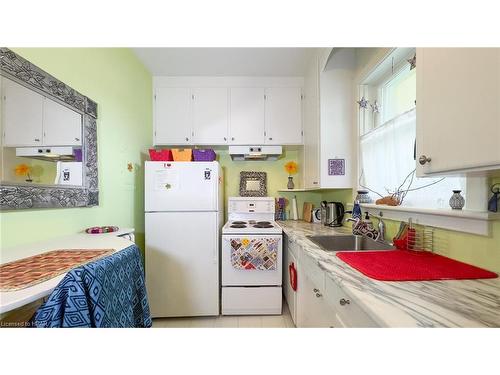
46, 153
240, 153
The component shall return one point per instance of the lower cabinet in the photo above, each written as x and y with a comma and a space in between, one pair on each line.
318, 302
347, 312
315, 312
312, 309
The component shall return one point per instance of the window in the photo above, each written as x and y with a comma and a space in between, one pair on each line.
387, 128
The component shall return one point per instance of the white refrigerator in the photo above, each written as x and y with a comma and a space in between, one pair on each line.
183, 219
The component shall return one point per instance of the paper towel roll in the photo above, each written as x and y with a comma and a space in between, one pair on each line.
295, 215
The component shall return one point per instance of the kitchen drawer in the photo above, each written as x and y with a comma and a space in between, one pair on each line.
349, 313
252, 300
309, 266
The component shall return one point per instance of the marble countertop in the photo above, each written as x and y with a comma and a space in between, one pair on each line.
14, 299
450, 303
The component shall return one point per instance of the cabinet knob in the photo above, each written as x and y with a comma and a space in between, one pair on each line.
187, 139
77, 139
37, 140
270, 138
318, 295
315, 182
225, 139
232, 138
424, 159
344, 302
315, 290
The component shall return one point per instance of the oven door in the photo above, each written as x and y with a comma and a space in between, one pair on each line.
251, 260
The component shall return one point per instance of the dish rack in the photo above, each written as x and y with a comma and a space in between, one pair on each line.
415, 238
420, 238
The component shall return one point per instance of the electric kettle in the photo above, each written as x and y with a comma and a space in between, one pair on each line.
332, 213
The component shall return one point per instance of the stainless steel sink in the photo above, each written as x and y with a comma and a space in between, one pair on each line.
349, 243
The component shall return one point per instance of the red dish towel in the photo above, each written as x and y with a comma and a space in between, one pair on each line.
406, 265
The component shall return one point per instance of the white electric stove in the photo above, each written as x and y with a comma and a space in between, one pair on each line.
252, 246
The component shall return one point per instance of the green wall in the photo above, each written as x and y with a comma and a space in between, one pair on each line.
122, 87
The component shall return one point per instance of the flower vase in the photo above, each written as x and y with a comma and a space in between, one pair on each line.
457, 201
290, 184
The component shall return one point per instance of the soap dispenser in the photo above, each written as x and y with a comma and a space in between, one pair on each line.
356, 211
368, 222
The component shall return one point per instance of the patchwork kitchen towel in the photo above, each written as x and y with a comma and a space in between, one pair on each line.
26, 272
254, 254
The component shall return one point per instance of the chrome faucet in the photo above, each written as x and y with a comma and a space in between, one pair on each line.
381, 228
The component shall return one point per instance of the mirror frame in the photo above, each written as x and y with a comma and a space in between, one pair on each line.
14, 196
261, 177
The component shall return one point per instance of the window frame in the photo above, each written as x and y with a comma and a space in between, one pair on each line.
473, 219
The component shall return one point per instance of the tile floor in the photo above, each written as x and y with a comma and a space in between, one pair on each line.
250, 321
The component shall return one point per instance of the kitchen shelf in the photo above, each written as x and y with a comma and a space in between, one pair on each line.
292, 190
468, 221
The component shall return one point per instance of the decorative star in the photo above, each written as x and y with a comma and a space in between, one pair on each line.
413, 62
375, 107
363, 103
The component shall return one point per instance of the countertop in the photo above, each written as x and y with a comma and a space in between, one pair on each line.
450, 303
14, 299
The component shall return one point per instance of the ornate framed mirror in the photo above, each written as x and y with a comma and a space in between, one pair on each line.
48, 154
253, 184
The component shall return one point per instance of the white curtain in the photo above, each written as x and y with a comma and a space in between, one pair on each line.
386, 157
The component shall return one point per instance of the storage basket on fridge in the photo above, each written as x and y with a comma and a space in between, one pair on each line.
207, 154
182, 154
160, 155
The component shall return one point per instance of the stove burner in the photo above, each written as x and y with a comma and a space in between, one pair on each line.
262, 226
264, 223
238, 226
238, 222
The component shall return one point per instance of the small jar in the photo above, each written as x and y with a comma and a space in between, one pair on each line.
363, 197
290, 184
457, 201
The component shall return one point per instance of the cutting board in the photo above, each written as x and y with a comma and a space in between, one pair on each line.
407, 265
307, 212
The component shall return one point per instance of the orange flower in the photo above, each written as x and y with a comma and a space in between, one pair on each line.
291, 167
22, 169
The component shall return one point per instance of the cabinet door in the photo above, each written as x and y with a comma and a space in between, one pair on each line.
290, 294
316, 312
283, 115
61, 125
210, 125
458, 108
173, 120
22, 115
311, 127
247, 106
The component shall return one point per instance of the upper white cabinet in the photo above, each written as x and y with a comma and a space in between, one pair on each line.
61, 125
30, 119
173, 119
210, 116
283, 115
228, 110
22, 115
247, 107
458, 110
311, 171
328, 118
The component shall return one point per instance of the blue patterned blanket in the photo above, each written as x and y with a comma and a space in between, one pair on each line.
109, 292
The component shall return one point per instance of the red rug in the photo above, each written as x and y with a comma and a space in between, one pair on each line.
406, 265
26, 272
